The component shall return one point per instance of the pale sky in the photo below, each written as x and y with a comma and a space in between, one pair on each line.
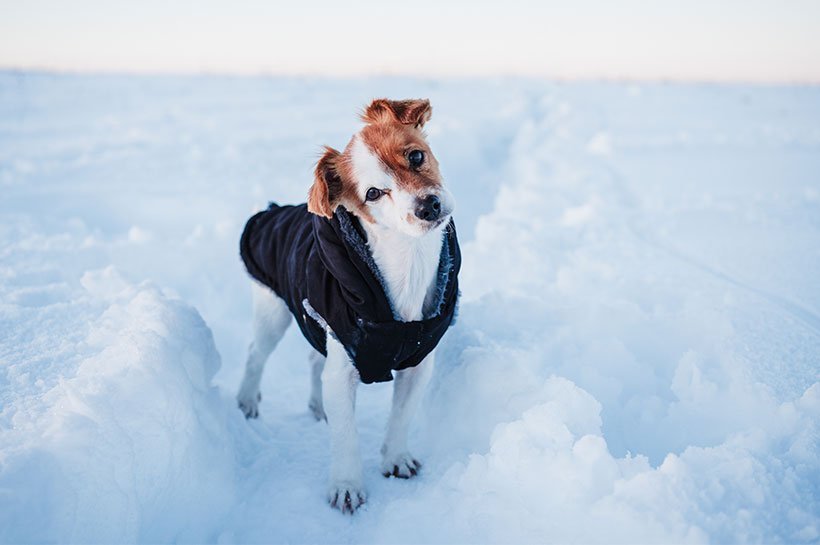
722, 40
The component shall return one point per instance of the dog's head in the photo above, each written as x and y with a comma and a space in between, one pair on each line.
387, 175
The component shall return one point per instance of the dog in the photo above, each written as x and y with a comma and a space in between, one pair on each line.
368, 268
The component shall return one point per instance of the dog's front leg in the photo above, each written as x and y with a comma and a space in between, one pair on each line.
339, 381
408, 389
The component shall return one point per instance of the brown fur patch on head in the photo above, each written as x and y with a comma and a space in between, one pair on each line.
415, 112
324, 194
334, 185
392, 143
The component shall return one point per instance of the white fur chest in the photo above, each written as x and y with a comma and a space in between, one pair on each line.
409, 266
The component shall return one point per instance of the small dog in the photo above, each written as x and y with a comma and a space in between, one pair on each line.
368, 268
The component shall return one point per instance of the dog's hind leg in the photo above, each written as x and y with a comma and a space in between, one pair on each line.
271, 318
339, 382
408, 389
317, 365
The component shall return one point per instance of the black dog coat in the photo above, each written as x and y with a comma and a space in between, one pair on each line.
324, 271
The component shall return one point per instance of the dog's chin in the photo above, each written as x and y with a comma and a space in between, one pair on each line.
417, 228
438, 223
434, 225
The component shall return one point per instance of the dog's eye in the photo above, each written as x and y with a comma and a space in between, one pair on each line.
415, 158
373, 194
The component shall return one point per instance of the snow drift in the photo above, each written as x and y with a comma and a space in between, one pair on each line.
130, 442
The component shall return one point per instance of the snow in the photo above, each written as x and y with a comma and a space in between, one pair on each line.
637, 355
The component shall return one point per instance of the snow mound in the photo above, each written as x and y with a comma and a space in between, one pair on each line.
549, 477
130, 444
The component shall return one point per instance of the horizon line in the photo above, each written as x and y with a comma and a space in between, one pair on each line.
364, 74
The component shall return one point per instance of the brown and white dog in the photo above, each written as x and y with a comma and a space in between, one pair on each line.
388, 178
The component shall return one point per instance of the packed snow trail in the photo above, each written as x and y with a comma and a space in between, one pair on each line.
636, 357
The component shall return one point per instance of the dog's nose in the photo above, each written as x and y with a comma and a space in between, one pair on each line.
429, 209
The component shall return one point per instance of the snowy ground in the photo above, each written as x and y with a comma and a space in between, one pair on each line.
637, 355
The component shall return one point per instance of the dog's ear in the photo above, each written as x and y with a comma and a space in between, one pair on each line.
414, 112
323, 196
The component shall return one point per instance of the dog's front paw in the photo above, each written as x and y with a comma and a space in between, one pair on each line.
249, 404
402, 466
346, 497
